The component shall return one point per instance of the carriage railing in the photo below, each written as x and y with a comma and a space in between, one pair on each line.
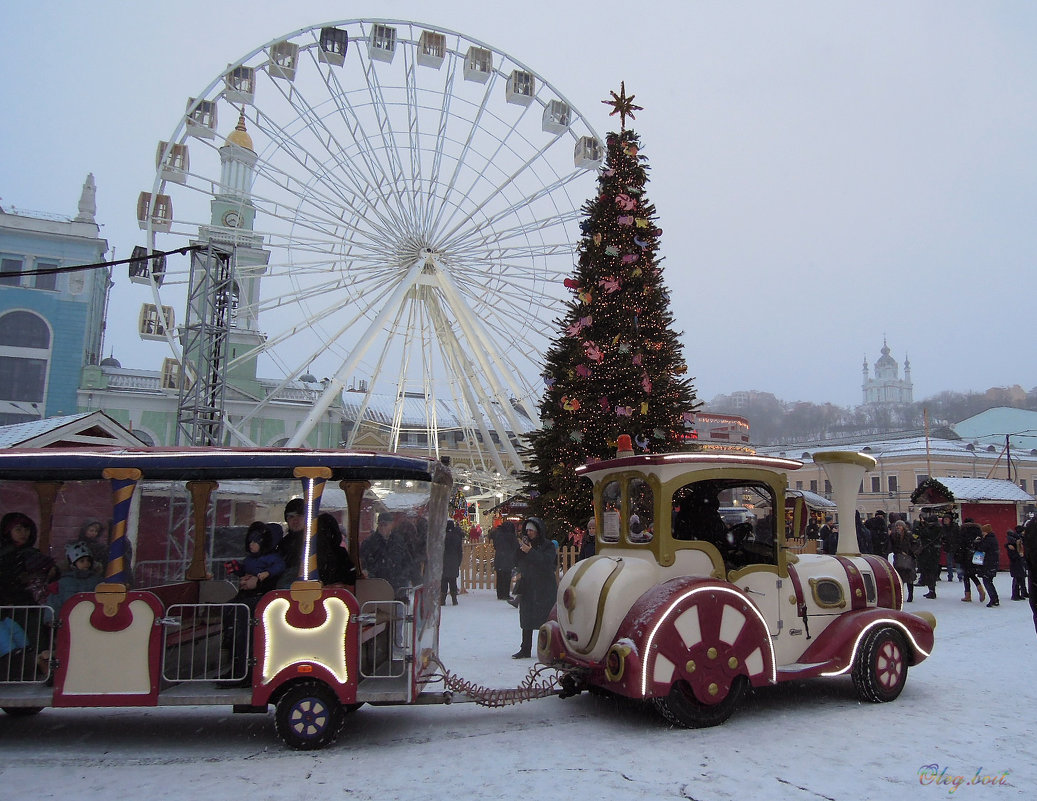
26, 644
385, 632
206, 642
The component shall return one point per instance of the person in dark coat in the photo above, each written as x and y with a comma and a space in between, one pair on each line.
505, 546
950, 534
91, 533
863, 534
905, 547
1029, 543
829, 541
290, 546
537, 562
24, 571
876, 524
1016, 562
452, 556
991, 561
970, 536
928, 531
385, 554
335, 568
589, 543
257, 573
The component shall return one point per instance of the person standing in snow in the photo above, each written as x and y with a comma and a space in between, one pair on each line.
537, 561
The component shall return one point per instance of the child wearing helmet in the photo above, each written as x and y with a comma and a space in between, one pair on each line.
80, 576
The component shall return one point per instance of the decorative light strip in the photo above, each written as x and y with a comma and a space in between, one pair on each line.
853, 656
681, 599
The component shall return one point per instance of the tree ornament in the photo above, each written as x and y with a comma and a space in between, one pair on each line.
605, 405
622, 105
610, 284
576, 436
625, 220
624, 411
583, 371
641, 222
641, 243
596, 239
571, 283
625, 202
570, 404
646, 383
641, 442
644, 408
611, 250
593, 352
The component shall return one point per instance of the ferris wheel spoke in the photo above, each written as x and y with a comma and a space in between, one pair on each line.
450, 189
335, 149
496, 192
487, 234
478, 403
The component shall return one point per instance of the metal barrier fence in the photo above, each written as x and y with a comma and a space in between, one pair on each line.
26, 644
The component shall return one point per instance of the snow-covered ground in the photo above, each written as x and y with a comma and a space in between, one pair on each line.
968, 709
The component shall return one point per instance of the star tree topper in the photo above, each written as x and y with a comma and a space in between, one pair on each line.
622, 105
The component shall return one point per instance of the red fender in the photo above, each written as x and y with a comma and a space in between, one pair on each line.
836, 647
725, 639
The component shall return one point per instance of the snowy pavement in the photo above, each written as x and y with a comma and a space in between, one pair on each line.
967, 710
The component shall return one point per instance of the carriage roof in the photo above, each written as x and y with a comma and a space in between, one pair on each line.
199, 463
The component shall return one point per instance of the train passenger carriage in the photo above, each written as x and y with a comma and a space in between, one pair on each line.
314, 652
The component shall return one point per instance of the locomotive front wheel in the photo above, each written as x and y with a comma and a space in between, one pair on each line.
308, 716
682, 708
880, 671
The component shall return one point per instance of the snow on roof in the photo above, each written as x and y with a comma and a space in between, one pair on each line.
20, 432
985, 489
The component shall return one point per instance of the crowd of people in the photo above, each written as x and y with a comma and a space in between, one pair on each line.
970, 553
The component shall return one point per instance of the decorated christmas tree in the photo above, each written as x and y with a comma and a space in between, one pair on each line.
616, 366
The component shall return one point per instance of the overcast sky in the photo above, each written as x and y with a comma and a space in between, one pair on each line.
825, 173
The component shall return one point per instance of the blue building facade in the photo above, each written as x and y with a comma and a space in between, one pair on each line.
51, 324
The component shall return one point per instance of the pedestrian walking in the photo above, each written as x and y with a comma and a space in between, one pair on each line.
1016, 562
905, 547
971, 534
452, 555
987, 568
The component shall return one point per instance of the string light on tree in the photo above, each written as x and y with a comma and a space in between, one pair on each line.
616, 366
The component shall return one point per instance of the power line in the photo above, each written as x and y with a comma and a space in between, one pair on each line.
155, 254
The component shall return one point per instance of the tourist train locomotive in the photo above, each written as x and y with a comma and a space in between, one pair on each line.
685, 611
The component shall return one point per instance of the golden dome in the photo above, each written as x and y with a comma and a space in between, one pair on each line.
239, 136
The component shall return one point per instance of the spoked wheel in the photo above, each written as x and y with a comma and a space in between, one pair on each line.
707, 654
880, 672
308, 716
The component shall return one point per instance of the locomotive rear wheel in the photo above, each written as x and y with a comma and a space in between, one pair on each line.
682, 708
880, 671
308, 716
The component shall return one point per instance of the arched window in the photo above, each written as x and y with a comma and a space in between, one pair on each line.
25, 347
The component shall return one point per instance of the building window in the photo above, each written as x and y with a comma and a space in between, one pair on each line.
891, 483
799, 485
10, 271
48, 281
813, 485
828, 487
876, 484
920, 478
1022, 484
25, 346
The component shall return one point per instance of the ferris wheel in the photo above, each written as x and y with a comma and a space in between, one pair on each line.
403, 203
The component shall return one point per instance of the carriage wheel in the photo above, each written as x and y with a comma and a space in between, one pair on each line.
880, 672
707, 653
308, 716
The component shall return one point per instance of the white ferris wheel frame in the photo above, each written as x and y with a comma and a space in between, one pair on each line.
422, 298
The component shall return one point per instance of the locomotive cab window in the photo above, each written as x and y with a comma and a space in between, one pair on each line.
734, 515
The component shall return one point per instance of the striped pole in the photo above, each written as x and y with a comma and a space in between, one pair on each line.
124, 482
313, 481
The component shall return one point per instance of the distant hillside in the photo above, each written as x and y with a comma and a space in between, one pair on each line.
776, 422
